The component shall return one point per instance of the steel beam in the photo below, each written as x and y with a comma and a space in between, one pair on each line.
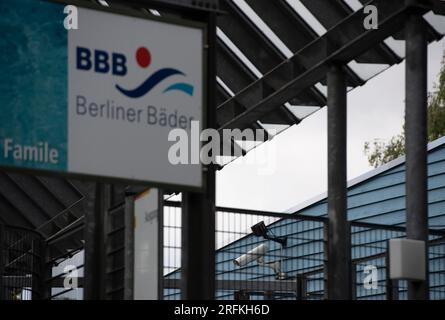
10, 215
284, 22
438, 6
339, 250
416, 141
94, 245
64, 192
41, 199
45, 271
253, 43
231, 70
330, 13
344, 42
198, 244
259, 49
19, 200
248, 38
237, 76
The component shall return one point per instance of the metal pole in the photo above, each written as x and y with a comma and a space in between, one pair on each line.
129, 248
94, 245
198, 246
339, 252
45, 271
38, 274
198, 209
416, 141
392, 288
301, 287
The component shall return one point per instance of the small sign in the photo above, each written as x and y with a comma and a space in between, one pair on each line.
146, 245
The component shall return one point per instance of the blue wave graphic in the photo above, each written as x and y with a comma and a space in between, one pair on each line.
184, 87
150, 83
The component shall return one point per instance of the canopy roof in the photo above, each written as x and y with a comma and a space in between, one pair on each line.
272, 56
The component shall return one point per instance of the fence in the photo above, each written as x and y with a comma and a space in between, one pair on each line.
369, 245
20, 263
290, 261
297, 270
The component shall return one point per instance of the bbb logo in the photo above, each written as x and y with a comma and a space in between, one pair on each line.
100, 61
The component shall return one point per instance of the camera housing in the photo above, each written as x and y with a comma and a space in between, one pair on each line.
256, 253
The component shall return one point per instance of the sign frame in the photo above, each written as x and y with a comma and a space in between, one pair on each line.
204, 103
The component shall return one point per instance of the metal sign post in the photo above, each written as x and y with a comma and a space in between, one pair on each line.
339, 248
416, 142
198, 209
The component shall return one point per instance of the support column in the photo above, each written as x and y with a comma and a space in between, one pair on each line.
416, 141
198, 209
339, 250
94, 261
45, 267
198, 245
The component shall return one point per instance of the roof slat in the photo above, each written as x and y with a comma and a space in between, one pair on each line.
232, 71
257, 47
284, 22
350, 40
17, 199
330, 13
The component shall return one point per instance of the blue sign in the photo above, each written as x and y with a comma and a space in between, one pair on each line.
33, 85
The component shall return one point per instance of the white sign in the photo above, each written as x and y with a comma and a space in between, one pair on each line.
146, 212
130, 82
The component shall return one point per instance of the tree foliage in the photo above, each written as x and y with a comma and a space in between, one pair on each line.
380, 152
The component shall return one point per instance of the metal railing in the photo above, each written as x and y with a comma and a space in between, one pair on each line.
369, 244
302, 263
281, 273
31, 269
20, 263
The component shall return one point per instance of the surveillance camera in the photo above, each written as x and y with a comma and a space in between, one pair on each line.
256, 253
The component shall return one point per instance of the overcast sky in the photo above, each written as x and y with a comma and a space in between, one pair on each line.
375, 110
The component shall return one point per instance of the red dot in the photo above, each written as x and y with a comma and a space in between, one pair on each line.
143, 57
